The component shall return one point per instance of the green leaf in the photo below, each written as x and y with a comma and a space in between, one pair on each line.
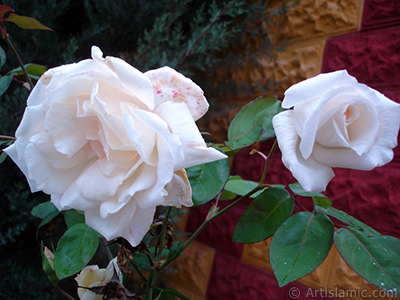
242, 187
34, 71
74, 250
376, 258
73, 217
5, 82
141, 261
228, 151
175, 251
300, 245
322, 201
253, 122
26, 22
46, 211
3, 57
264, 216
347, 219
298, 190
208, 180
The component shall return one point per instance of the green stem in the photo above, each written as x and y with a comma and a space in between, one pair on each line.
150, 284
260, 186
268, 161
110, 256
8, 41
163, 232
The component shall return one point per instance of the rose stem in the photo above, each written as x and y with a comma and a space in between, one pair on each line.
107, 249
260, 186
8, 41
7, 137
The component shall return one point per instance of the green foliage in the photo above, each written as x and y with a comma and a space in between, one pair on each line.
376, 258
253, 123
207, 180
263, 216
74, 250
300, 245
45, 211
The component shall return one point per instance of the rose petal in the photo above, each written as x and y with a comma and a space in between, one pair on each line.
132, 79
172, 86
194, 148
131, 222
312, 175
179, 190
313, 87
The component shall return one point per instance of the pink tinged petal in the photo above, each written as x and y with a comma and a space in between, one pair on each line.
144, 128
181, 124
131, 222
311, 174
67, 131
141, 178
94, 185
179, 190
47, 178
310, 116
306, 90
132, 79
155, 194
31, 124
169, 85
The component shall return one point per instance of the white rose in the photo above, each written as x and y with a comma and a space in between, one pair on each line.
335, 122
92, 276
102, 137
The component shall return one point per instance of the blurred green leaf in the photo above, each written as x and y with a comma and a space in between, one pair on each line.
5, 82
26, 22
34, 71
253, 122
3, 57
376, 258
242, 187
263, 216
74, 250
347, 219
174, 252
322, 201
46, 211
300, 245
73, 217
207, 180
298, 190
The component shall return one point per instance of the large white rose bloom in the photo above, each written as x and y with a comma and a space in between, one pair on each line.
335, 122
102, 137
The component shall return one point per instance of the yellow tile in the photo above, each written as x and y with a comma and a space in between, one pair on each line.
191, 272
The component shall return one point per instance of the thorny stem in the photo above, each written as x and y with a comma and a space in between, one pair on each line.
8, 41
260, 186
163, 232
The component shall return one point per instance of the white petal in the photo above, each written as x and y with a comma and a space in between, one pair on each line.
194, 148
313, 87
132, 79
131, 222
179, 190
169, 85
96, 186
312, 175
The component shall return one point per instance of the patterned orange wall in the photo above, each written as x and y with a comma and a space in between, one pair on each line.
325, 35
